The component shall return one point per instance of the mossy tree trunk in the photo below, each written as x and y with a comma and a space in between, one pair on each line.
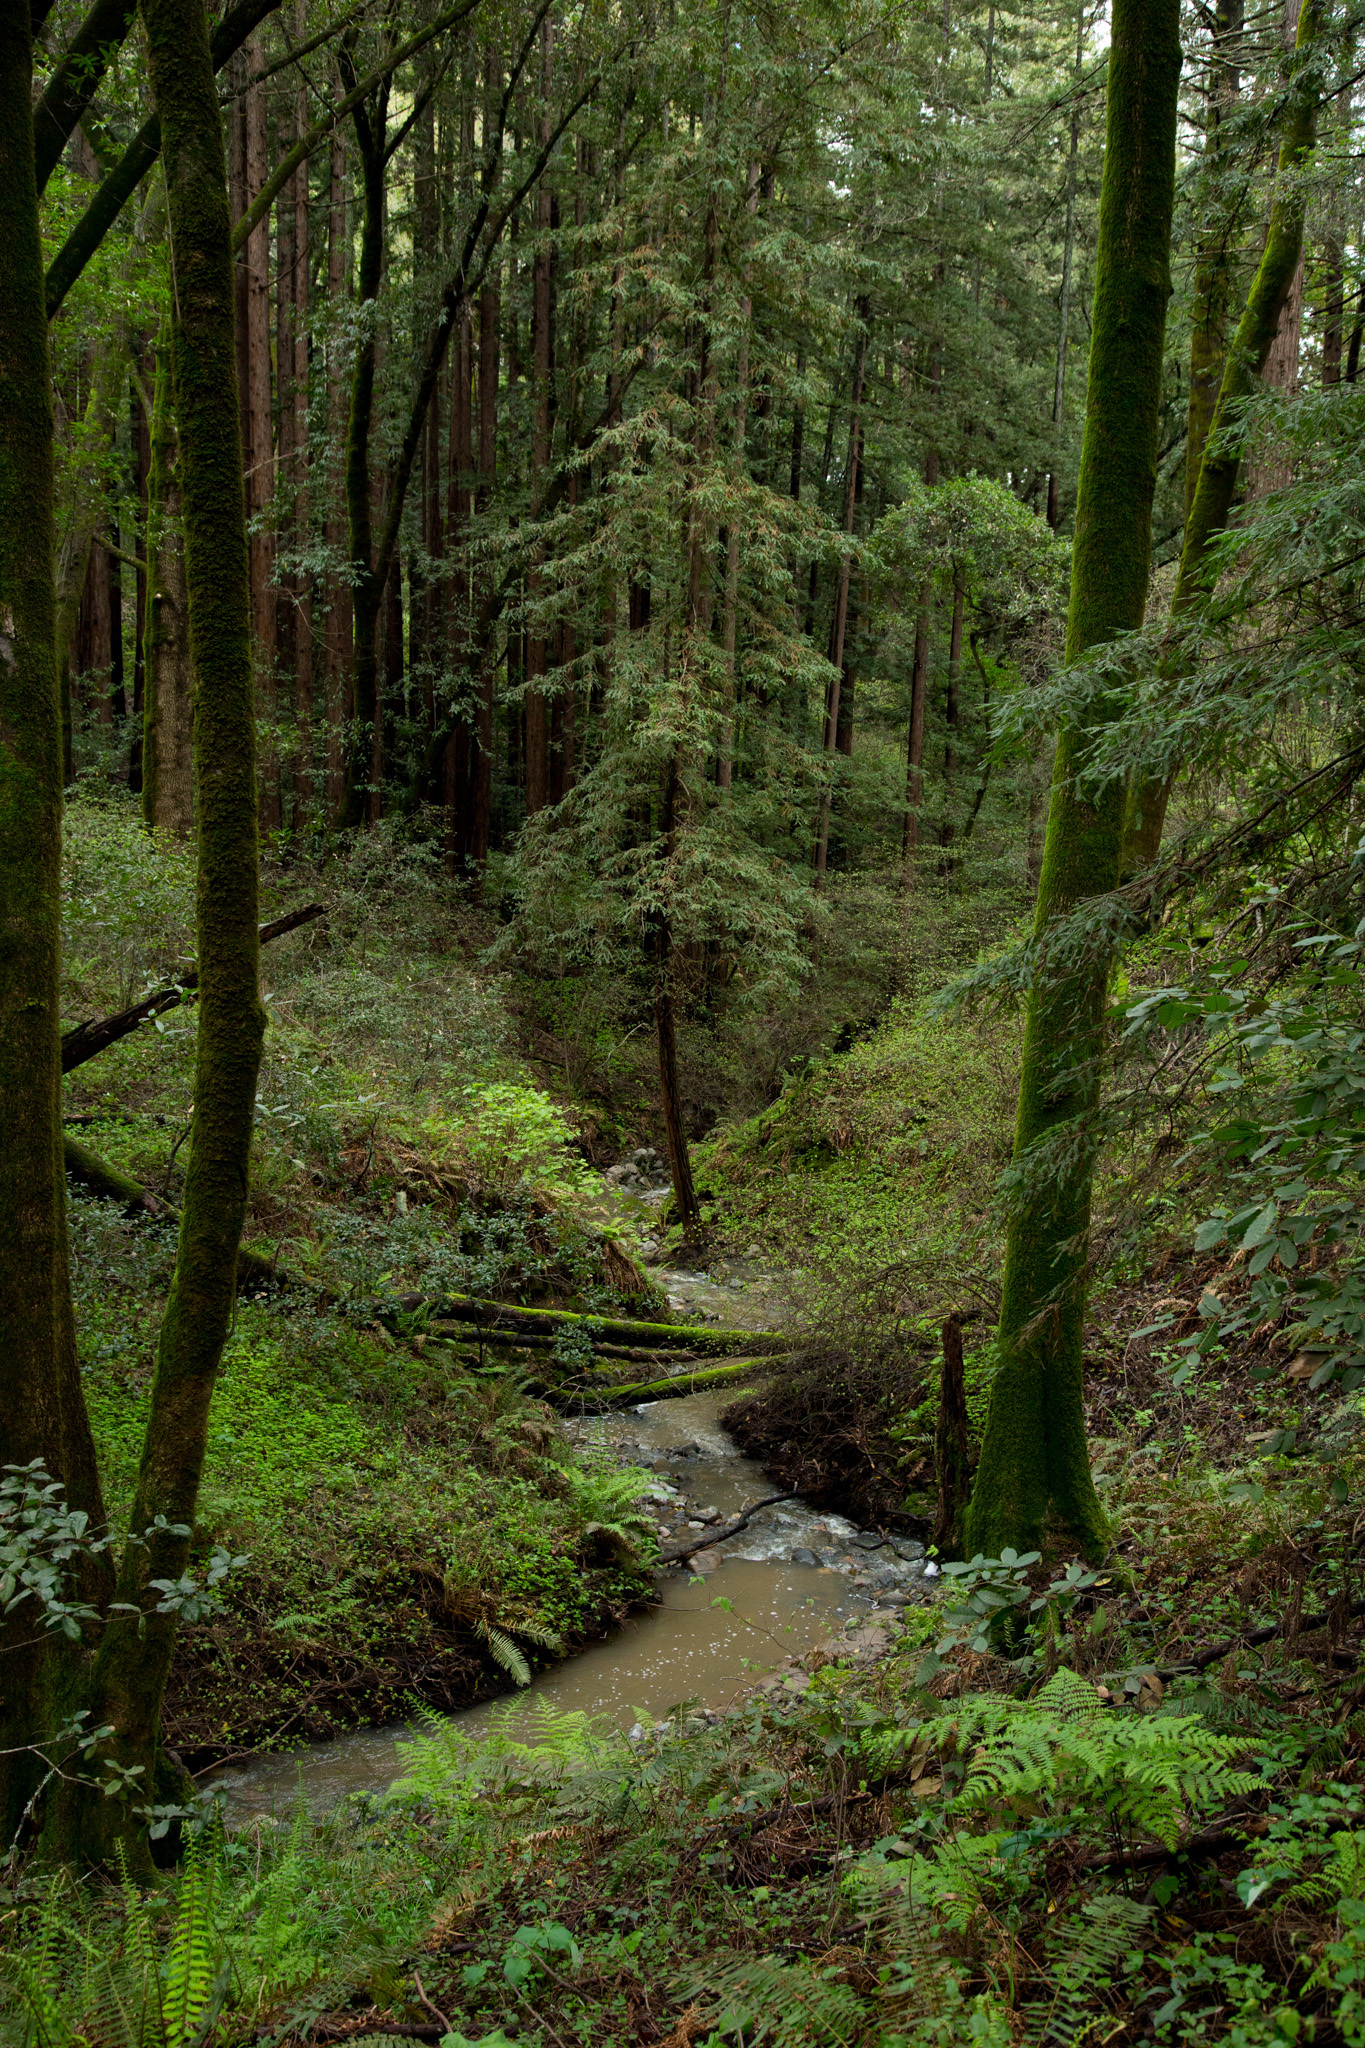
135, 1654
1210, 503
360, 802
42, 1413
1034, 1463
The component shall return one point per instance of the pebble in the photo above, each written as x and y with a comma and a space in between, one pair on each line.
709, 1560
801, 1555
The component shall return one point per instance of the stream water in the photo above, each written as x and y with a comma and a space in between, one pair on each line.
688, 1649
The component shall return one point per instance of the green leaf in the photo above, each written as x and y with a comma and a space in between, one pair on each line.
1260, 1226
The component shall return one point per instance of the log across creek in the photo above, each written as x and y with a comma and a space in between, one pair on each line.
681, 1358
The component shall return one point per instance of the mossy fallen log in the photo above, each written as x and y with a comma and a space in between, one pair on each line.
676, 1385
101, 1177
616, 1355
502, 1316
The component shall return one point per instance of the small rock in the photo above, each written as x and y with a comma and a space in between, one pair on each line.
708, 1514
884, 1578
868, 1539
709, 1560
907, 1548
802, 1555
893, 1599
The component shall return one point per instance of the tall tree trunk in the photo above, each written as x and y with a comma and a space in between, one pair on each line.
168, 706
542, 370
481, 822
951, 708
303, 585
260, 452
1271, 290
42, 1411
1213, 267
336, 595
135, 1654
1034, 1459
670, 1088
362, 794
839, 627
914, 739
1054, 513
140, 437
729, 630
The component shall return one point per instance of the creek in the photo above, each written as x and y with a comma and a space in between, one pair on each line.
687, 1650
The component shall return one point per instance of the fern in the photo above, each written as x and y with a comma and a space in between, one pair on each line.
188, 1975
1063, 1752
1342, 1877
783, 2004
1086, 1954
505, 1653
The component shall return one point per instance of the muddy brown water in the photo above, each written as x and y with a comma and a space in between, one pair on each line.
707, 1642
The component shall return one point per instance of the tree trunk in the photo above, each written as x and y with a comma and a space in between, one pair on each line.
135, 1654
482, 820
303, 587
914, 742
542, 367
951, 710
42, 1410
1054, 513
362, 796
952, 1450
839, 626
1271, 289
168, 701
1034, 1461
259, 452
336, 596
1213, 269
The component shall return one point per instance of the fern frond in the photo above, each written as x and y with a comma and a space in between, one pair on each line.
189, 1969
1085, 1957
505, 1653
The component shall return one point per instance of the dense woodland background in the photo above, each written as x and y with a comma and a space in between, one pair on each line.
692, 711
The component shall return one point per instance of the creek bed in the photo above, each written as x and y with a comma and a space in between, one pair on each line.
686, 1650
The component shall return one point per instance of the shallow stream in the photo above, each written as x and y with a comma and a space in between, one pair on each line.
688, 1649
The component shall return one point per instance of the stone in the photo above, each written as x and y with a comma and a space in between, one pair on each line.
893, 1599
803, 1555
708, 1514
708, 1560
885, 1577
868, 1539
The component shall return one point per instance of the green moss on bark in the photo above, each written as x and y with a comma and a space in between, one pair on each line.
42, 1414
1034, 1462
135, 1655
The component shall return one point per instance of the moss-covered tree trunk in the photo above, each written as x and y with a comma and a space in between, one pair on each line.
1034, 1464
168, 702
134, 1657
1210, 503
42, 1414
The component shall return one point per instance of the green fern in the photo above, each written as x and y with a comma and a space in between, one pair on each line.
188, 1974
1086, 1955
1342, 1876
785, 2005
505, 1653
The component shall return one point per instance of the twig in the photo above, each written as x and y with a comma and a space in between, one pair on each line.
433, 2009
676, 1553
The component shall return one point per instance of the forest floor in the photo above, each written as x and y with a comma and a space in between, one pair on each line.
1069, 1805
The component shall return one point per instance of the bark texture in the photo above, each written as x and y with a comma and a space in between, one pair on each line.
42, 1414
133, 1659
1034, 1461
168, 701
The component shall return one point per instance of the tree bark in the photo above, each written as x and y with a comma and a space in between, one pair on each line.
135, 1654
168, 701
42, 1411
1213, 269
1271, 290
336, 596
952, 1450
1034, 1459
542, 366
259, 449
839, 626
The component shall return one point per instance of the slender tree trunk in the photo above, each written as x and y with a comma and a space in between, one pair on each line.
1271, 290
135, 1654
730, 602
1034, 1460
303, 586
367, 595
481, 825
840, 622
140, 437
1054, 514
260, 453
42, 1411
951, 709
336, 595
670, 1089
1213, 268
542, 369
168, 708
914, 741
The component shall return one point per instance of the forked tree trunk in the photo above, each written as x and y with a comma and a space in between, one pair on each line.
42, 1411
135, 1654
1034, 1461
168, 703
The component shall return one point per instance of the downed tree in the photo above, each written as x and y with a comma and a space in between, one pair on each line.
677, 1553
549, 1322
83, 1041
100, 1177
676, 1384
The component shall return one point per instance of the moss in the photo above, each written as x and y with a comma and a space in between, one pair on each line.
41, 1415
1034, 1455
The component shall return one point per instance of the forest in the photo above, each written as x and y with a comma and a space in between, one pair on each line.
682, 1023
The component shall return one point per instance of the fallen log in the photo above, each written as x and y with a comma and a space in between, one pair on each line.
83, 1041
709, 1342
100, 1177
680, 1383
